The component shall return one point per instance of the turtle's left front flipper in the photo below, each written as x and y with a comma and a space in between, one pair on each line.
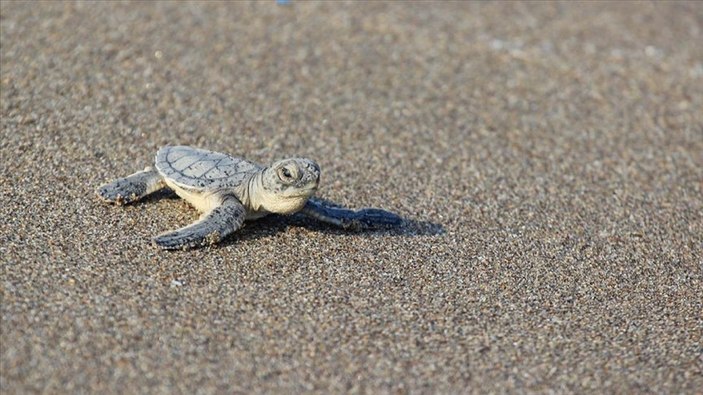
131, 188
367, 218
210, 229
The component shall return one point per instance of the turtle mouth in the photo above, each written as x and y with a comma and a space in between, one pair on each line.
305, 191
310, 190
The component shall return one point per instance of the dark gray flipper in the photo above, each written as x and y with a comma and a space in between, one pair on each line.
210, 229
367, 218
132, 188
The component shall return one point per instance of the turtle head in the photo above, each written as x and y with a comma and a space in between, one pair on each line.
288, 184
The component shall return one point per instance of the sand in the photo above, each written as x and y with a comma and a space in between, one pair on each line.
548, 155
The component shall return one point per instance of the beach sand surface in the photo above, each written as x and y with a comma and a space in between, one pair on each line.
548, 157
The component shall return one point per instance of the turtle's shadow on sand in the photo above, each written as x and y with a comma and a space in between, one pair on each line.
163, 194
271, 225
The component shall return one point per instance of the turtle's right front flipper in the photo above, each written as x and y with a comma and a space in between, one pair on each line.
210, 229
131, 188
364, 219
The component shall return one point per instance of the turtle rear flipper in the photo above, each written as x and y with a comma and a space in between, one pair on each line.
132, 188
210, 229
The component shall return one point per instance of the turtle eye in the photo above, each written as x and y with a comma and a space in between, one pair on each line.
284, 174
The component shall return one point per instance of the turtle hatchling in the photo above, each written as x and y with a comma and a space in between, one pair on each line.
228, 190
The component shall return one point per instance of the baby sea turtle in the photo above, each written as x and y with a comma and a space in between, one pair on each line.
229, 190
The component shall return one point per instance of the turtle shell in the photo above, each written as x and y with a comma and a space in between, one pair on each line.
200, 169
